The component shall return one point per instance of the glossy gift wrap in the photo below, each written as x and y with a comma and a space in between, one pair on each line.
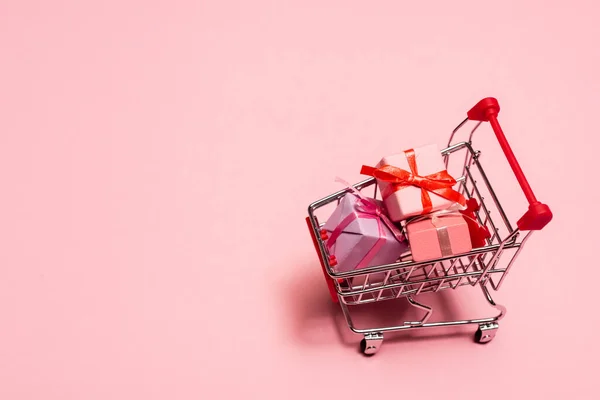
414, 183
438, 236
360, 236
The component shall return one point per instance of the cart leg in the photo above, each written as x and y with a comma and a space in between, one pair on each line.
371, 343
486, 332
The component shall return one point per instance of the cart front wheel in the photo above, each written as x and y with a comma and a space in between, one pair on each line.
371, 343
486, 332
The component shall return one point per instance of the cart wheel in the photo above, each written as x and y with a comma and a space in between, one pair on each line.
486, 332
371, 343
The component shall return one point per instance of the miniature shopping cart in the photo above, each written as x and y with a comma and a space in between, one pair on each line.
483, 266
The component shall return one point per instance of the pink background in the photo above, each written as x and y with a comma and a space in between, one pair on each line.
157, 158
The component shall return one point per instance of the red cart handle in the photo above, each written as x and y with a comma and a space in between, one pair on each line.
538, 215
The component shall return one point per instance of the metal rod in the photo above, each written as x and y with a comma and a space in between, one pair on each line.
512, 261
493, 194
464, 121
428, 311
403, 284
494, 260
478, 321
408, 264
484, 207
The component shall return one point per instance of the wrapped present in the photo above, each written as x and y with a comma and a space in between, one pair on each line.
438, 236
414, 183
359, 235
479, 233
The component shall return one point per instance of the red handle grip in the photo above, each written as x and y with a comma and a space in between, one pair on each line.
538, 215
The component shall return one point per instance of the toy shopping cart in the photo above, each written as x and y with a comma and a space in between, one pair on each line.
483, 266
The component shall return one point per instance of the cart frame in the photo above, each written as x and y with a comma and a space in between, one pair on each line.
483, 267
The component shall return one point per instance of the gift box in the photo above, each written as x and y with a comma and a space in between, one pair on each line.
479, 233
358, 235
414, 183
438, 236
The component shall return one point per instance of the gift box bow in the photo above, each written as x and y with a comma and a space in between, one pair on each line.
440, 183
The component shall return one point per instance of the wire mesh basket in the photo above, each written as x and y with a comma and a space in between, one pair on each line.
483, 266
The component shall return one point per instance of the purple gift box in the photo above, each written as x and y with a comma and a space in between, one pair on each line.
360, 236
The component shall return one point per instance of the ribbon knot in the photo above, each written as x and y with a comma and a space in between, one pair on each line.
440, 183
368, 206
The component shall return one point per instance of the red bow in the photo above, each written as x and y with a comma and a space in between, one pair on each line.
439, 183
479, 233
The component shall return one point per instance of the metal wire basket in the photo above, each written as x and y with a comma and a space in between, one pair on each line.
482, 266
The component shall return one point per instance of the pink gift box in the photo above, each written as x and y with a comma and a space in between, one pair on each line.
439, 236
365, 241
407, 201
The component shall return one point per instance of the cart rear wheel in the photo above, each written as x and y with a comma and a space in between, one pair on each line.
371, 343
478, 336
486, 332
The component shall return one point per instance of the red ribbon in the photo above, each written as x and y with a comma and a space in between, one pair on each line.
439, 183
479, 233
